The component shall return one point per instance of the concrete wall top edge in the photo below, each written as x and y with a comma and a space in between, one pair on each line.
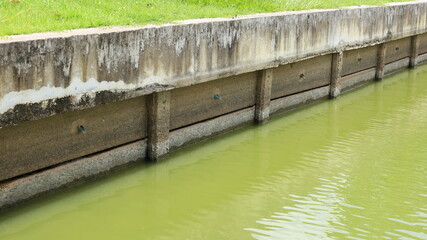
115, 29
111, 29
49, 73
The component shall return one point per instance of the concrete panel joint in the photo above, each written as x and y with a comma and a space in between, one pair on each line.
336, 70
263, 96
158, 106
415, 45
379, 74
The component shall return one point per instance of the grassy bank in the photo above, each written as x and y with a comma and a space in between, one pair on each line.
29, 16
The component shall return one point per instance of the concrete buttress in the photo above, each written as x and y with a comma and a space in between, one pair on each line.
158, 105
263, 96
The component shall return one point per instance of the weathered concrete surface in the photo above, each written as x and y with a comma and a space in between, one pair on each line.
300, 76
79, 170
423, 43
34, 145
263, 96
382, 50
299, 99
42, 75
336, 73
22, 189
355, 80
396, 66
158, 105
207, 100
210, 128
37, 110
398, 49
415, 49
422, 58
357, 60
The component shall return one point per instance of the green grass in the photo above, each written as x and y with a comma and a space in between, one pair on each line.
29, 16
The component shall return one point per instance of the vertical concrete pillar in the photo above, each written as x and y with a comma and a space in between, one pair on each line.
158, 105
415, 42
379, 73
263, 96
335, 89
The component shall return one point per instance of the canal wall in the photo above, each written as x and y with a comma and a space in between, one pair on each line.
77, 104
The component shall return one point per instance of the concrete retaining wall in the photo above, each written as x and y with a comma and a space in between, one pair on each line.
46, 74
68, 99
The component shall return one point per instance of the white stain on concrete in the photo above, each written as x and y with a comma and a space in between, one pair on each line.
77, 89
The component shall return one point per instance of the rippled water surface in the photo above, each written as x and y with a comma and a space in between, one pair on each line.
355, 168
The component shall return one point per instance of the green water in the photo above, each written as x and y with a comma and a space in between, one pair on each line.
354, 168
